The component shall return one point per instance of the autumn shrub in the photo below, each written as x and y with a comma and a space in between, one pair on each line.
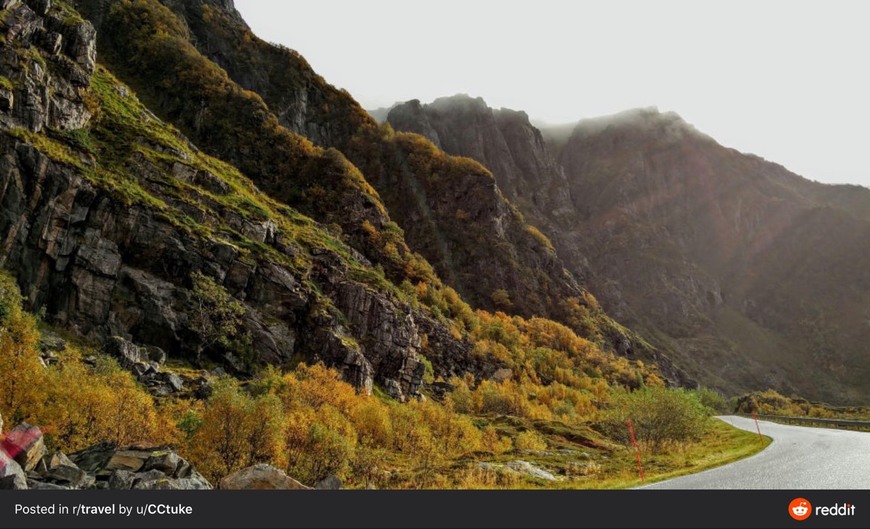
237, 430
320, 444
660, 417
22, 377
714, 401
77, 404
491, 441
530, 440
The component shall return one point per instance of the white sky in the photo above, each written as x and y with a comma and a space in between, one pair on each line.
787, 80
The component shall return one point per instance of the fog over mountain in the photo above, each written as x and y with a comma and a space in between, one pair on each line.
790, 92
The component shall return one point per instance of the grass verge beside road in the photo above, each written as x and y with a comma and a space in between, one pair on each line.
722, 444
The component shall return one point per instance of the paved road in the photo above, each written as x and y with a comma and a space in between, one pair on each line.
799, 458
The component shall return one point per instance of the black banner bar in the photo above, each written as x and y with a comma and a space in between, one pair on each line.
429, 509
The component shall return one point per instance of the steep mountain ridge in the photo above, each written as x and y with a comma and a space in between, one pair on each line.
505, 142
747, 273
464, 126
351, 130
107, 212
449, 209
306, 104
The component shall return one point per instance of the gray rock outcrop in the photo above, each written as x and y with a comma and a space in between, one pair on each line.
260, 477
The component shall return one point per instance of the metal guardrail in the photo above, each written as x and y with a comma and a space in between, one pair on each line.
845, 424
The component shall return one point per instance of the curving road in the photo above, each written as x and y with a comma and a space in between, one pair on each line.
799, 458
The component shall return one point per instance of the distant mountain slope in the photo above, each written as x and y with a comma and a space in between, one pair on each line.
379, 114
750, 275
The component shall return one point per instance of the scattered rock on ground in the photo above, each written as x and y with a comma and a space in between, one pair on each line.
260, 477
330, 482
528, 469
12, 476
520, 467
25, 464
24, 444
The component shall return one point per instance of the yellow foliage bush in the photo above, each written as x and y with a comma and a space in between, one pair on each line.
76, 404
530, 440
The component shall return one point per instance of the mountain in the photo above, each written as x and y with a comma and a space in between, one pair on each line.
500, 139
111, 214
400, 201
205, 246
747, 274
108, 212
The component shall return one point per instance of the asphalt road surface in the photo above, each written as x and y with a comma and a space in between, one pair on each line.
799, 458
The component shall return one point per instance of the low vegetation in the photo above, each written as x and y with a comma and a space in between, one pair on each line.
309, 422
770, 402
81, 400
662, 418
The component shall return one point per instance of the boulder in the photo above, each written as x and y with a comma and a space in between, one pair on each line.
166, 461
155, 354
528, 469
121, 480
192, 480
61, 469
12, 476
25, 445
128, 354
502, 374
149, 480
260, 477
131, 459
95, 458
330, 482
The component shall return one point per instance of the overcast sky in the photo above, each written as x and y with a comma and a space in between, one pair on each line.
787, 80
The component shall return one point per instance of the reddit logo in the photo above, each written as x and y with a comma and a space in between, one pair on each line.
800, 509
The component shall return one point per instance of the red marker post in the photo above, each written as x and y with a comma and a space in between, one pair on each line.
757, 427
636, 450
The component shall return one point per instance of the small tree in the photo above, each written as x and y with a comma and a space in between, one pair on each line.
502, 299
661, 416
216, 317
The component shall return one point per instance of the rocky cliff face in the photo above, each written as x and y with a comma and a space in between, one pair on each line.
151, 48
461, 223
300, 98
502, 140
40, 100
106, 213
506, 143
